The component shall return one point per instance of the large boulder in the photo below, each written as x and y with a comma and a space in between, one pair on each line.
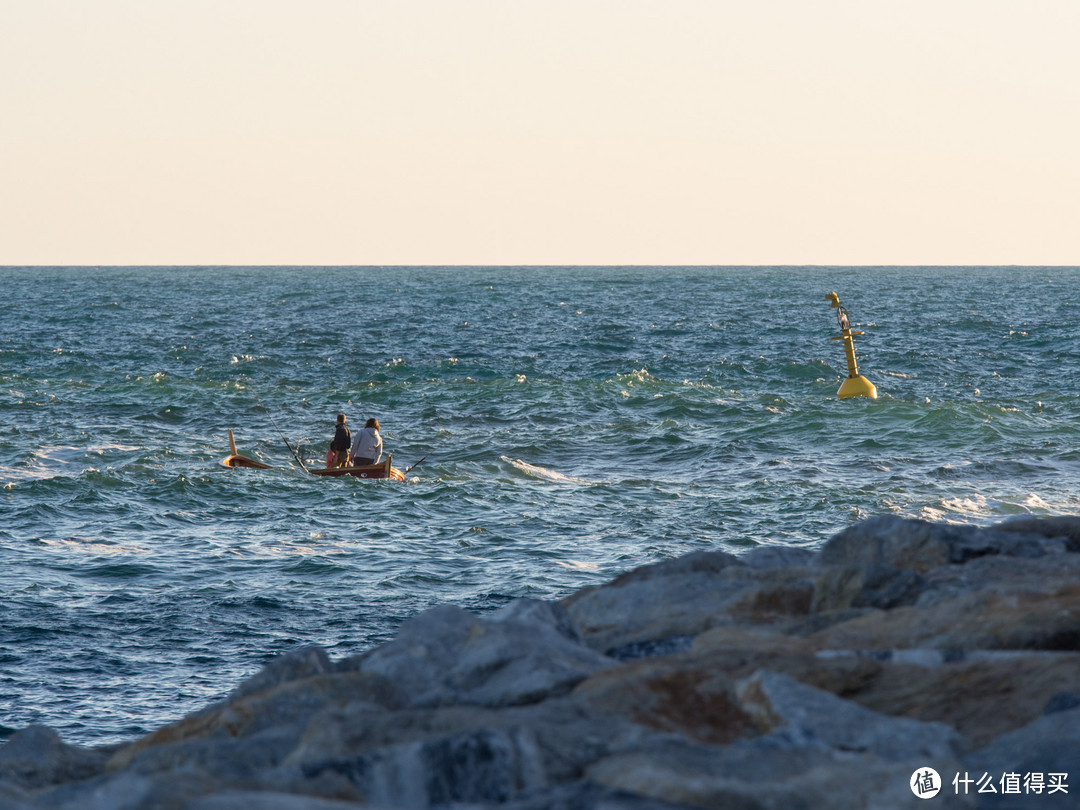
1046, 748
920, 546
767, 773
448, 655
987, 619
36, 757
662, 606
282, 706
778, 703
935, 685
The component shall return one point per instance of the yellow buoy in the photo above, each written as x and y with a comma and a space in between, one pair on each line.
855, 385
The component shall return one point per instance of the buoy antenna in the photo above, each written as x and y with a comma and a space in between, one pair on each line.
855, 385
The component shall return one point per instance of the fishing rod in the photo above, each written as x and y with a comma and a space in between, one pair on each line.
414, 466
299, 460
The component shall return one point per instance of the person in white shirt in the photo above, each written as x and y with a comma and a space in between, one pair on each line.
367, 447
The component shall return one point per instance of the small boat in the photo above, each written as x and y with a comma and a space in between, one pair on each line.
384, 469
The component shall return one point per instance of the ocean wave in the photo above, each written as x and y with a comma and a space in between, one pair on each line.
717, 429
543, 473
12, 476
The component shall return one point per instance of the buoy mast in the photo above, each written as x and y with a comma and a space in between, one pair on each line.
855, 385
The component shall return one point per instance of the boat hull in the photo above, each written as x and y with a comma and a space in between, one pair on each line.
384, 469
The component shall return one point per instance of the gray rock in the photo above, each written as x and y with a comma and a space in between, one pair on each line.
303, 662
295, 702
1062, 702
123, 791
485, 766
810, 716
1003, 617
266, 800
921, 546
582, 795
886, 539
36, 757
232, 761
886, 587
669, 600
778, 557
283, 711
696, 562
448, 655
652, 648
1049, 744
1063, 527
765, 774
535, 611
13, 797
876, 585
817, 622
567, 734
1046, 575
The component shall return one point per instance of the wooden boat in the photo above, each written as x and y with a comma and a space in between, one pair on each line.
384, 469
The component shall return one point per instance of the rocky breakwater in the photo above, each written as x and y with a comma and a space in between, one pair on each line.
783, 678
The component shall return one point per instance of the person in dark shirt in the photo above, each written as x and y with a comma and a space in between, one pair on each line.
339, 447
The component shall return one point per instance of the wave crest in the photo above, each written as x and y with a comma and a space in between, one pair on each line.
542, 472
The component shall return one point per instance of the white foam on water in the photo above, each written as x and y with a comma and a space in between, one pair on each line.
542, 472
59, 454
959, 510
88, 545
931, 513
1033, 501
54, 461
640, 375
973, 505
286, 549
66, 454
577, 565
10, 476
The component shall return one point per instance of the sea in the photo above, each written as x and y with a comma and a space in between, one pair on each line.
563, 425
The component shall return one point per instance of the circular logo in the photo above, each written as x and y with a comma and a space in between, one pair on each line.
925, 783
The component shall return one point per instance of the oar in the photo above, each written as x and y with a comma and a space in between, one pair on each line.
414, 466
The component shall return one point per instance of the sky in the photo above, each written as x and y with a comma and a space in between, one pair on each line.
518, 132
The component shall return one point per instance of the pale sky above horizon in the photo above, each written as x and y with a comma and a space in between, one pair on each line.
539, 132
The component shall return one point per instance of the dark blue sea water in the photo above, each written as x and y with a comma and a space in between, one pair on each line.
576, 422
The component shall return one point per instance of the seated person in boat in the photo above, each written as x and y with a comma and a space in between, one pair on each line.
339, 447
367, 448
